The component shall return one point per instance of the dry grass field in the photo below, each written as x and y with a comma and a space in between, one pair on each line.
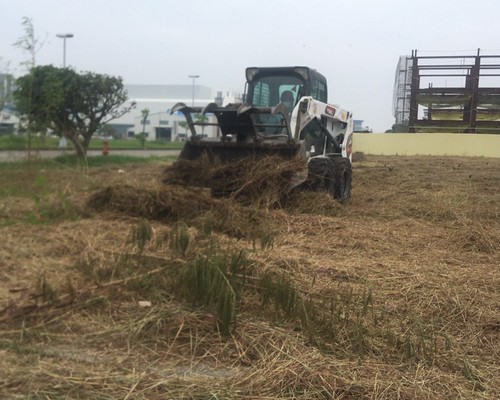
115, 285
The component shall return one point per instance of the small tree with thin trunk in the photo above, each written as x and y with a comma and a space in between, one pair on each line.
144, 118
202, 118
30, 44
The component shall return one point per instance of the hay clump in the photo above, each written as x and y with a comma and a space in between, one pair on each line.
263, 181
170, 203
475, 237
312, 203
191, 172
154, 202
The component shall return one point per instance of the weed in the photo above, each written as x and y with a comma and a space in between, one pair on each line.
207, 283
266, 241
45, 290
48, 207
179, 239
143, 285
90, 269
141, 234
86, 267
470, 373
278, 289
208, 224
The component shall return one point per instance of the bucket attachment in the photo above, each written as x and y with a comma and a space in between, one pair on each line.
244, 131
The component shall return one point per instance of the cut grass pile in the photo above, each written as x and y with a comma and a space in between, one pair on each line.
263, 182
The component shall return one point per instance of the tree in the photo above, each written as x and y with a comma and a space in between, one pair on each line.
108, 131
202, 118
144, 118
72, 105
30, 44
185, 125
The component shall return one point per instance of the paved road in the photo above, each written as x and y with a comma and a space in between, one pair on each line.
23, 155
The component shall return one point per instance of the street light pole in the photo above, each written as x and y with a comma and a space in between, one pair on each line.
193, 77
64, 36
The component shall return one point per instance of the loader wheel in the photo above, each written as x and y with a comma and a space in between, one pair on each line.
320, 172
342, 172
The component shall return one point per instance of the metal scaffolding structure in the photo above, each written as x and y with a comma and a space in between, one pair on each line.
447, 93
402, 91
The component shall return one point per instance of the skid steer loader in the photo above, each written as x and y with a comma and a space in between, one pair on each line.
285, 112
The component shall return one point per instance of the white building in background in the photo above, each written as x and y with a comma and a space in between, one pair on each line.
8, 118
159, 99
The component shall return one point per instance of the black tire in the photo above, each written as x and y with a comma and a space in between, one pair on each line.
342, 173
319, 173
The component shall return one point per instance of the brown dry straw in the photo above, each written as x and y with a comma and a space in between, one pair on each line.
171, 203
423, 232
159, 202
262, 181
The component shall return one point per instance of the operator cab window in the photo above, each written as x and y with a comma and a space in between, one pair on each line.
261, 94
318, 91
268, 91
289, 95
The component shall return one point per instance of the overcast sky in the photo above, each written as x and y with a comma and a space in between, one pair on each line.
356, 44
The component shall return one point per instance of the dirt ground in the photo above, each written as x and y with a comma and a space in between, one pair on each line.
394, 295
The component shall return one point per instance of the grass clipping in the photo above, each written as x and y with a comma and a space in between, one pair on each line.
229, 198
261, 181
171, 203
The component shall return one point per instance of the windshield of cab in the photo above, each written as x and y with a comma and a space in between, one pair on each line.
271, 90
